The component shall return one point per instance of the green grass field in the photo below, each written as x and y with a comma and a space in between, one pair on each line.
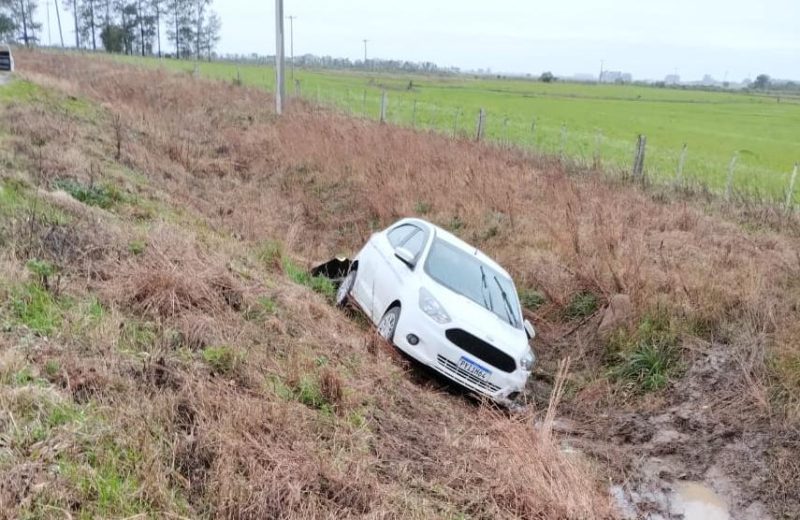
582, 121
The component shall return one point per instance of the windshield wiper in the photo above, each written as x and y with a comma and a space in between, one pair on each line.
512, 319
485, 290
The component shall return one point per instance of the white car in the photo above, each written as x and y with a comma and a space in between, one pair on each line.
445, 304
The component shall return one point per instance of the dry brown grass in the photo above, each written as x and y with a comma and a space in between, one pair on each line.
307, 425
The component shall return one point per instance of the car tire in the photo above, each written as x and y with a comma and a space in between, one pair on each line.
388, 324
345, 287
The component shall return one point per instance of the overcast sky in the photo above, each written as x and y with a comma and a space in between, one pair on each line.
649, 38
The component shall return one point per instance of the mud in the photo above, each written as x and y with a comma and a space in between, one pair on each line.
689, 453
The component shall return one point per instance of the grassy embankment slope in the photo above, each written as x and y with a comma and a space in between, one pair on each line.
715, 125
159, 355
163, 350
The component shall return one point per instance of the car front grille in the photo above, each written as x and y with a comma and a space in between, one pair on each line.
453, 368
481, 350
5, 61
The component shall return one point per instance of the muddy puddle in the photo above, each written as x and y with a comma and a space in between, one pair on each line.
696, 501
685, 500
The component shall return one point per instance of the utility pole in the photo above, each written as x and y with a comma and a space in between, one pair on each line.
58, 17
600, 77
280, 88
291, 42
365, 53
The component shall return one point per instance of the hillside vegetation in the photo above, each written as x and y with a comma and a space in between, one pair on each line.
163, 350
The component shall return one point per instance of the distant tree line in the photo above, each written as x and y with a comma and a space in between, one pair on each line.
123, 26
328, 62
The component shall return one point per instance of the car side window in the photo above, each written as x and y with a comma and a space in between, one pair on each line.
398, 235
415, 243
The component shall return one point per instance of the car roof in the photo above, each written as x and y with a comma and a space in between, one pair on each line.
455, 241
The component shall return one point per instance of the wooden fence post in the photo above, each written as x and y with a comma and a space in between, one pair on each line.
481, 122
729, 184
533, 132
681, 162
384, 102
297, 88
414, 115
563, 145
638, 161
506, 142
790, 193
598, 143
364, 104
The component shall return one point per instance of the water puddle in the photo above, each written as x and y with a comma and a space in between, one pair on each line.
697, 502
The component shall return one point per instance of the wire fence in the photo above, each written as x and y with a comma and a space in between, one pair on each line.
739, 177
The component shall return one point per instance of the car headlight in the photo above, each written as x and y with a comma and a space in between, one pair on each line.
527, 361
431, 306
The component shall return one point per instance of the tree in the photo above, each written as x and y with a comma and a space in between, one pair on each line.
8, 27
211, 34
130, 22
180, 30
157, 7
20, 15
199, 7
762, 81
113, 38
547, 77
89, 21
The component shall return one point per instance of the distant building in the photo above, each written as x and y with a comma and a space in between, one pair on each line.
615, 76
708, 81
672, 79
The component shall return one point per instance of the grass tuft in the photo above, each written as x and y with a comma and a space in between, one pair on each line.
36, 308
222, 359
647, 359
103, 196
531, 299
581, 305
318, 284
270, 253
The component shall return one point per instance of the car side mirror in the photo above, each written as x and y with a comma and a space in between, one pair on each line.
405, 256
529, 330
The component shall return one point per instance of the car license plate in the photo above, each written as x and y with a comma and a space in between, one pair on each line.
473, 368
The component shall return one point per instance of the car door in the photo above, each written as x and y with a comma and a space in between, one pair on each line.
372, 267
393, 276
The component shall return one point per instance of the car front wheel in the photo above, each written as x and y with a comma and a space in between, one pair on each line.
388, 324
344, 288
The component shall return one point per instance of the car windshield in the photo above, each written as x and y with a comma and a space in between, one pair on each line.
465, 274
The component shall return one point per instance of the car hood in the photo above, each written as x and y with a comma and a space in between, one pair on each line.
480, 321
